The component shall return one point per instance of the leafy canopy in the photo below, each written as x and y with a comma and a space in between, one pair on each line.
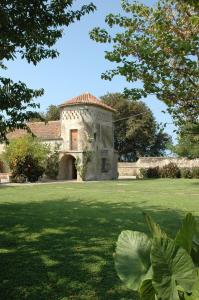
157, 46
188, 141
136, 131
29, 30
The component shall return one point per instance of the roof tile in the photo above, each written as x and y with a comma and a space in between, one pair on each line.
44, 131
88, 99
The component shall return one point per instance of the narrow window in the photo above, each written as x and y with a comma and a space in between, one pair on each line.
104, 165
74, 139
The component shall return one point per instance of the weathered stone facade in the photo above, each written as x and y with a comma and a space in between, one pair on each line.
85, 128
95, 134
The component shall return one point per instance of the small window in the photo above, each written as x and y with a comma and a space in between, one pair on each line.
95, 136
104, 166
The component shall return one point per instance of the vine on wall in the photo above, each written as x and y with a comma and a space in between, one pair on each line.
82, 165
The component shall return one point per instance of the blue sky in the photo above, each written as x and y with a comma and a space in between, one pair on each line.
79, 66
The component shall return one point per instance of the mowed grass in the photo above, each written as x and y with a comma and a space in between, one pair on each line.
57, 241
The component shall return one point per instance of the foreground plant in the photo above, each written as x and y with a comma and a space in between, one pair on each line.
158, 267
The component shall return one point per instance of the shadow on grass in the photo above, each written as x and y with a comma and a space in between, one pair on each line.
63, 249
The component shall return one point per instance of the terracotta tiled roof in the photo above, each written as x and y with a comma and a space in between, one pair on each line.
87, 99
44, 131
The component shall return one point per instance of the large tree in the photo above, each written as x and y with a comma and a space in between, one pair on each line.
188, 141
158, 46
136, 131
28, 30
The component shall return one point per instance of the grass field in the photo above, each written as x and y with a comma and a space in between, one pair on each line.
57, 241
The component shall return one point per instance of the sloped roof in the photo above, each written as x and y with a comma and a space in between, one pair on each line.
87, 99
44, 131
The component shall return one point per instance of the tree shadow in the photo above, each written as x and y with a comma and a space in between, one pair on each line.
64, 249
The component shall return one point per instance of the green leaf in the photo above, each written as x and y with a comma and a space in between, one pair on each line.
172, 266
154, 228
195, 290
147, 291
186, 233
132, 258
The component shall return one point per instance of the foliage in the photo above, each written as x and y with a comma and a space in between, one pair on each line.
150, 172
82, 165
158, 267
190, 172
186, 173
27, 167
195, 172
53, 113
170, 170
159, 47
188, 141
136, 131
26, 156
29, 31
52, 163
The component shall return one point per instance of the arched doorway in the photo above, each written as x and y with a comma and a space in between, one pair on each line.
67, 168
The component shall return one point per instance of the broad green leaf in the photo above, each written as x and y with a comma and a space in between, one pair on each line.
195, 290
154, 228
132, 258
172, 266
147, 291
186, 233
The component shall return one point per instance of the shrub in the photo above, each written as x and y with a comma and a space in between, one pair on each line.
150, 172
143, 173
26, 157
195, 172
170, 171
186, 173
158, 267
52, 164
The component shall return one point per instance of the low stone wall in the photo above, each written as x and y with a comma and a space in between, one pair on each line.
132, 169
5, 177
128, 169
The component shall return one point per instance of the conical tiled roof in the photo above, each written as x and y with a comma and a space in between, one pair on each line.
87, 99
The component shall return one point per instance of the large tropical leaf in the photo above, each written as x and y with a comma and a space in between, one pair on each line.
147, 291
171, 266
186, 233
195, 290
154, 228
132, 258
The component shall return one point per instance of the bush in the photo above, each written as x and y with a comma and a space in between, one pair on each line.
170, 171
195, 172
186, 173
52, 164
150, 172
19, 178
26, 157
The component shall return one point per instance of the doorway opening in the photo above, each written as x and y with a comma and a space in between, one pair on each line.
68, 168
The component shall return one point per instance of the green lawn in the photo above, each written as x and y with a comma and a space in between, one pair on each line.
57, 241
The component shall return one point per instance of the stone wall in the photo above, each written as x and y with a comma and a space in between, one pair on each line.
132, 169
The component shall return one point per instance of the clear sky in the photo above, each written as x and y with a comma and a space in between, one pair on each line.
79, 66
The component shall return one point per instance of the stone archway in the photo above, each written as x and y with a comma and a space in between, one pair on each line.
67, 168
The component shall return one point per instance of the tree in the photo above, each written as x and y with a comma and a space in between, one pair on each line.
26, 157
159, 47
29, 30
136, 131
188, 142
53, 113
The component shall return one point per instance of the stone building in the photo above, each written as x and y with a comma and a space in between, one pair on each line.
85, 135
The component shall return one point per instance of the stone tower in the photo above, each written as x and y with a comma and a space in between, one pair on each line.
87, 133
